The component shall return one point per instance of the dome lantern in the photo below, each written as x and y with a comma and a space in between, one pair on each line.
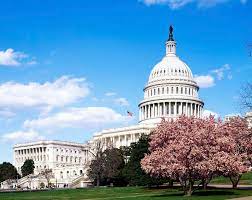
170, 43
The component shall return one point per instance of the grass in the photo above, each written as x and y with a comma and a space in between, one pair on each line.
246, 179
127, 193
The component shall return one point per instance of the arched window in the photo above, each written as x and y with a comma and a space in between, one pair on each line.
61, 175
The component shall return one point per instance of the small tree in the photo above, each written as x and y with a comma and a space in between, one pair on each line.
114, 164
28, 167
132, 171
47, 174
238, 159
106, 168
8, 171
246, 96
96, 168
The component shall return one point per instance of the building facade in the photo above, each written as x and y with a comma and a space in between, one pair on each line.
67, 160
170, 92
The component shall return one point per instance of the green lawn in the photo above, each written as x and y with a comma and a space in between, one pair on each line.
127, 193
246, 179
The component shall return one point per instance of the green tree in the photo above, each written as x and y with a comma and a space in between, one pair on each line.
106, 167
133, 171
8, 171
114, 164
28, 167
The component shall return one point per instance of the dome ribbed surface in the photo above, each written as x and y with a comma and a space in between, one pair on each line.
170, 67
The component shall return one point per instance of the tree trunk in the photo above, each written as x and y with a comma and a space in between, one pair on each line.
235, 180
190, 188
170, 183
204, 184
98, 181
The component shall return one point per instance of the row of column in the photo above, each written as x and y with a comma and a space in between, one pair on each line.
31, 150
169, 109
121, 140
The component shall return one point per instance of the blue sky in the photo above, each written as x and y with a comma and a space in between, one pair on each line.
71, 68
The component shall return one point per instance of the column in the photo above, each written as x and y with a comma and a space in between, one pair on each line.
152, 113
149, 111
191, 110
145, 112
186, 109
175, 108
164, 109
125, 140
169, 111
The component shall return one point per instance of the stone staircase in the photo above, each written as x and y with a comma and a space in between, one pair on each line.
80, 181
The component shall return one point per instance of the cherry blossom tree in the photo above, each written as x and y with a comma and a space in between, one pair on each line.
191, 149
237, 159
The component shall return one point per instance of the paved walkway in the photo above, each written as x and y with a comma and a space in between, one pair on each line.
242, 198
247, 187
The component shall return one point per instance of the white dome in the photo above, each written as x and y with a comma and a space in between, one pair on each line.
171, 90
170, 67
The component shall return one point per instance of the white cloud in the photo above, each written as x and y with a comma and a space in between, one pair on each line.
220, 72
32, 62
175, 4
229, 76
121, 101
109, 94
204, 81
21, 136
48, 95
14, 58
207, 113
6, 114
88, 118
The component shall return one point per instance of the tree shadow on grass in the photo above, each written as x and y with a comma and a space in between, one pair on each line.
213, 193
196, 194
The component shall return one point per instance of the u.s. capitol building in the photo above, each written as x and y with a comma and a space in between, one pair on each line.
170, 92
